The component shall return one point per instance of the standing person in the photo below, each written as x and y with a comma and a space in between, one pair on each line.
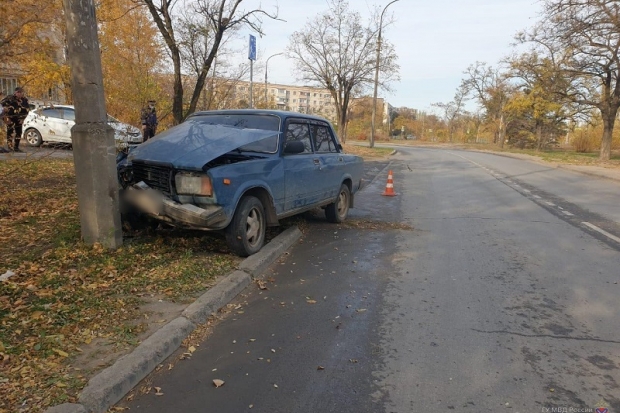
149, 121
15, 109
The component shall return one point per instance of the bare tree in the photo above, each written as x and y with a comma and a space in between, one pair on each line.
492, 90
582, 39
219, 16
454, 109
336, 50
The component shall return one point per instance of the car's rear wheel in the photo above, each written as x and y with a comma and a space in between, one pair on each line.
337, 212
246, 232
33, 137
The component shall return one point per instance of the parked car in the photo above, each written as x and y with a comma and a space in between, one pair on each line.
54, 123
240, 171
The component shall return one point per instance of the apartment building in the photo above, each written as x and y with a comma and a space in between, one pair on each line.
302, 99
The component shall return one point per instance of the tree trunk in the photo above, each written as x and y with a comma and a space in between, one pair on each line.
502, 131
608, 128
177, 99
539, 136
200, 81
342, 123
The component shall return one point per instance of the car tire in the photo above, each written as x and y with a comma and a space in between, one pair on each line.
337, 211
33, 137
245, 234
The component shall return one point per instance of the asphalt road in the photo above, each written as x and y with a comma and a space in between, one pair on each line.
477, 288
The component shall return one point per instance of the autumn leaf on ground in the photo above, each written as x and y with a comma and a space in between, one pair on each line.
218, 382
158, 391
311, 301
60, 352
261, 284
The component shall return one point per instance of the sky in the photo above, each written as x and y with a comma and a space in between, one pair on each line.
435, 40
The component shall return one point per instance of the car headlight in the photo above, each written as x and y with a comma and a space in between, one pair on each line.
193, 184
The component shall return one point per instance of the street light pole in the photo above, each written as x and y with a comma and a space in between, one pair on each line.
267, 63
374, 96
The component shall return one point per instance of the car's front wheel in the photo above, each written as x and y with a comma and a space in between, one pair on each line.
337, 212
246, 232
33, 137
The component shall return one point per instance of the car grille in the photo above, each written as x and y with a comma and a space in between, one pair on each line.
155, 176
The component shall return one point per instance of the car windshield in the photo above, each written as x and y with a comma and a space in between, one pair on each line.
246, 121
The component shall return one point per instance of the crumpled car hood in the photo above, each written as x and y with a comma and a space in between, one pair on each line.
192, 144
124, 128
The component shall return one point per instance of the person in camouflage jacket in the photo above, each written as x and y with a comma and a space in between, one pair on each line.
15, 108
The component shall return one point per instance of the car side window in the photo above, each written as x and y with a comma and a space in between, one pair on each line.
51, 113
68, 114
299, 132
323, 139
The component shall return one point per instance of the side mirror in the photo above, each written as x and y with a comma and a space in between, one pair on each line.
294, 147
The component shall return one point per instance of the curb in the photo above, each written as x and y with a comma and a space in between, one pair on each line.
113, 383
596, 173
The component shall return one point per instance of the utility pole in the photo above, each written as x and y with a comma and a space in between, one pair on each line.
94, 150
266, 64
374, 95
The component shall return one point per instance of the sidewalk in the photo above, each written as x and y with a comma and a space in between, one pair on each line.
113, 383
609, 173
598, 171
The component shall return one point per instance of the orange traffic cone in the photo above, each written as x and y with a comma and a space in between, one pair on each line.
389, 188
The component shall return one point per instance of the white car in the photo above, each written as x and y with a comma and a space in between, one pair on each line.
54, 123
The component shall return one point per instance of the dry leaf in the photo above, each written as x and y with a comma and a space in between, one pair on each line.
192, 349
158, 391
320, 368
311, 301
60, 352
218, 382
261, 284
37, 314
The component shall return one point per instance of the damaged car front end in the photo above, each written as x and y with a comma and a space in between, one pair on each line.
215, 171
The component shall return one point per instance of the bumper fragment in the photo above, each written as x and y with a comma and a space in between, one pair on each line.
156, 204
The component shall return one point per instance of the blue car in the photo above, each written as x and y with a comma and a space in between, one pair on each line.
240, 171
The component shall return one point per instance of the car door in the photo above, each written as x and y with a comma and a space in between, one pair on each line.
330, 159
53, 125
68, 117
302, 171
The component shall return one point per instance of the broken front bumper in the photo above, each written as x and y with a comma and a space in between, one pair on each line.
157, 205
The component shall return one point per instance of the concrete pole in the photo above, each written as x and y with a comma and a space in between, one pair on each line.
267, 64
94, 151
374, 95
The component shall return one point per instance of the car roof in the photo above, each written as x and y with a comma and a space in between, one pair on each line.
57, 107
280, 113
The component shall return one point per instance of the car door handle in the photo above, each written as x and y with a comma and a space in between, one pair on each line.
317, 162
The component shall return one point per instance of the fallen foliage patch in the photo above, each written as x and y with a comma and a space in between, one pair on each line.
65, 295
